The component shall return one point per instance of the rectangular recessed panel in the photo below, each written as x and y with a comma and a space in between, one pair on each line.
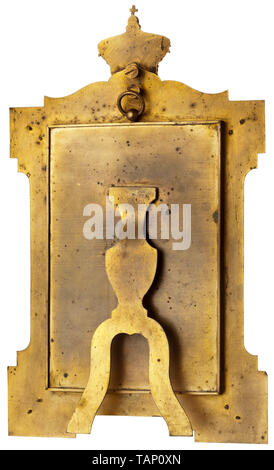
183, 162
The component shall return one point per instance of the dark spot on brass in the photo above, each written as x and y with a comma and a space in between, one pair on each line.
82, 403
226, 407
237, 417
230, 132
242, 121
65, 374
215, 216
29, 412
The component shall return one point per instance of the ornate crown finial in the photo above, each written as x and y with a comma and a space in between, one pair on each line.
145, 49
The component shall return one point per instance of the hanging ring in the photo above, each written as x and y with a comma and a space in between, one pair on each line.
132, 114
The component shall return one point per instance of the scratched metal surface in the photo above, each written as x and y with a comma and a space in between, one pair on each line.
182, 161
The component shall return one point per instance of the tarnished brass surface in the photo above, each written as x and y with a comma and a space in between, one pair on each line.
238, 413
131, 267
182, 161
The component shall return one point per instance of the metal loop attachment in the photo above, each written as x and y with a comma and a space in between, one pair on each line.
133, 114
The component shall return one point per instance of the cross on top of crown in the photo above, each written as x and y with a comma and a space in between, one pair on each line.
133, 10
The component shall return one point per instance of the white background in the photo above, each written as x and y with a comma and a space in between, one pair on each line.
50, 48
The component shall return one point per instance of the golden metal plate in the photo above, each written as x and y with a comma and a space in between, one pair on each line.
183, 162
44, 386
